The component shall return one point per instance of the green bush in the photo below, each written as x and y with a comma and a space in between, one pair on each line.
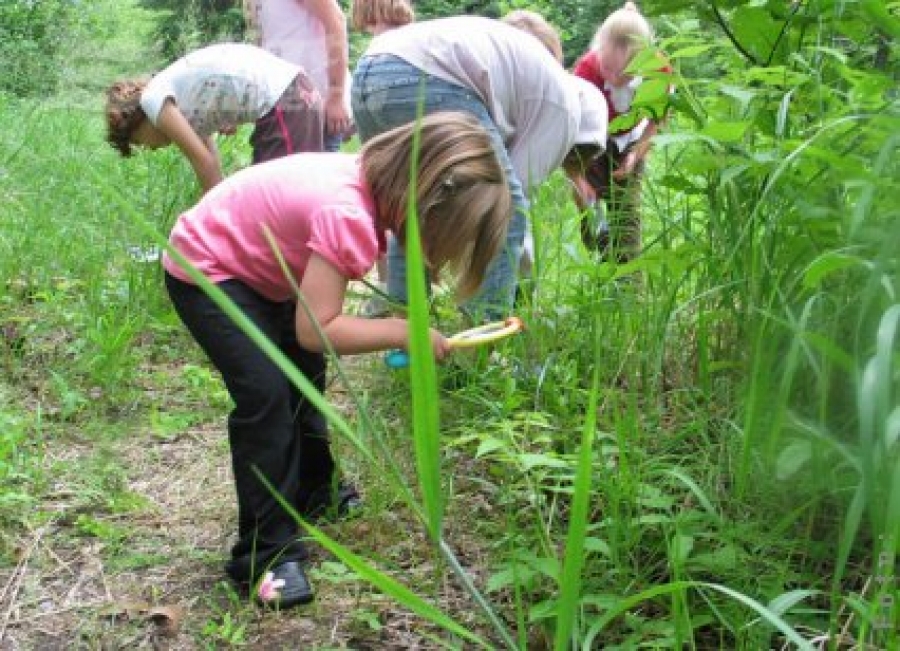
33, 35
185, 26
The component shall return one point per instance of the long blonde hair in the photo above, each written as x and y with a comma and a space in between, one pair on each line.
365, 14
462, 197
624, 28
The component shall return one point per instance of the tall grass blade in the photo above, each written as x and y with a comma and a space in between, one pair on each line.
573, 561
426, 417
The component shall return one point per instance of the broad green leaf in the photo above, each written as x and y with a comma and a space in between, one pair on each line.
530, 461
825, 265
792, 459
669, 139
783, 603
756, 31
722, 560
521, 575
726, 131
892, 429
489, 445
597, 545
691, 51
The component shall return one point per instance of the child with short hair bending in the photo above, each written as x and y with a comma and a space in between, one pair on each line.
212, 90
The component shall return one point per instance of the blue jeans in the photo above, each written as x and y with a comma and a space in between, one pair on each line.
386, 93
332, 141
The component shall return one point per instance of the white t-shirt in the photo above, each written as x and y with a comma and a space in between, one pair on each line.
528, 94
220, 86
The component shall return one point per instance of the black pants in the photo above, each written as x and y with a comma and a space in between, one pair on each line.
272, 427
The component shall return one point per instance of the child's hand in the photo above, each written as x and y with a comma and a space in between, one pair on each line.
439, 345
627, 166
585, 194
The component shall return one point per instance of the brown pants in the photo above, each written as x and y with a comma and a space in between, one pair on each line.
294, 124
622, 198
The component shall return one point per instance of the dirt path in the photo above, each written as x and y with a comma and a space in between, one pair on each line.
148, 574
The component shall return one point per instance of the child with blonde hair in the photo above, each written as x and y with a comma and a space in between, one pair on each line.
213, 90
319, 220
615, 177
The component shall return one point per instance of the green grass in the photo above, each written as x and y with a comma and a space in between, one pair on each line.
696, 450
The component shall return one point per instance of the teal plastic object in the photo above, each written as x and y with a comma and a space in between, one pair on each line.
396, 358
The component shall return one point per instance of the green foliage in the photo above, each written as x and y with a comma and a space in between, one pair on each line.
33, 41
185, 26
698, 449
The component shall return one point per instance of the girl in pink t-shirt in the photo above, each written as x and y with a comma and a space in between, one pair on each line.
317, 221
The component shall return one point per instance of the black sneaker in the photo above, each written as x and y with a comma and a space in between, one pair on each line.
284, 586
324, 502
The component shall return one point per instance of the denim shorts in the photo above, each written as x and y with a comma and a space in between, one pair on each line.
386, 93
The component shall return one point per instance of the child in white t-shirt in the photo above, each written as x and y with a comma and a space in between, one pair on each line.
212, 90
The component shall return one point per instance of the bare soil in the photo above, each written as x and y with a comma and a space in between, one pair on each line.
150, 577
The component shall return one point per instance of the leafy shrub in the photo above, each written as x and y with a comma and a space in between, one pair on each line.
186, 26
32, 39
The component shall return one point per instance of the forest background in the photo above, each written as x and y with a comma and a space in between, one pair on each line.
699, 449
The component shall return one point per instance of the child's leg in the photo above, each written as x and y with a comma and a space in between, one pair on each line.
316, 463
294, 125
594, 227
261, 426
625, 214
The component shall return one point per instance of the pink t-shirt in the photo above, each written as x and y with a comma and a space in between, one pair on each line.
310, 203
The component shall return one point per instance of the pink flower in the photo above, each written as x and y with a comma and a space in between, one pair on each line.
269, 587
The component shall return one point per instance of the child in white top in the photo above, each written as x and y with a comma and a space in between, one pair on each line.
212, 90
614, 179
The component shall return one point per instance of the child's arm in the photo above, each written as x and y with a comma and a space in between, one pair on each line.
329, 12
636, 153
323, 288
582, 192
203, 158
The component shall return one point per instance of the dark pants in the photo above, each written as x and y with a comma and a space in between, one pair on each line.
272, 428
623, 206
295, 124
